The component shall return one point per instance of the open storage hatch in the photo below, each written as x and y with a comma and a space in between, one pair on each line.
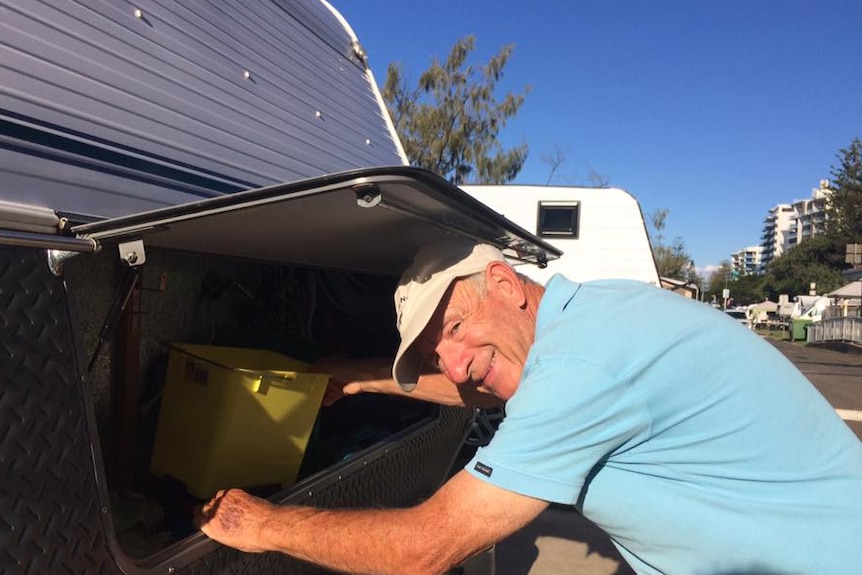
365, 221
305, 270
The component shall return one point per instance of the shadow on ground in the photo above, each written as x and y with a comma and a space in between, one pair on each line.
560, 540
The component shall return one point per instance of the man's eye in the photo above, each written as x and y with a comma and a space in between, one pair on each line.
432, 362
455, 327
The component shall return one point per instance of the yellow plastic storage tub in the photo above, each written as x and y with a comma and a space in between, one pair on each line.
234, 417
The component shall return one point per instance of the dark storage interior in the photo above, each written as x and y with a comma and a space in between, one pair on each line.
306, 270
301, 312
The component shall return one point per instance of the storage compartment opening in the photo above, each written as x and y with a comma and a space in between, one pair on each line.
226, 326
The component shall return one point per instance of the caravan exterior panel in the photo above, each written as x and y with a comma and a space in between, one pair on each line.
608, 240
108, 109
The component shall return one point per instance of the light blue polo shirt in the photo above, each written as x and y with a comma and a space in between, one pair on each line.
693, 443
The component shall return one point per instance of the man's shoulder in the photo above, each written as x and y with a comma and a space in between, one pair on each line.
563, 290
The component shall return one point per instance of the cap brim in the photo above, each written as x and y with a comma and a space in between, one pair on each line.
408, 361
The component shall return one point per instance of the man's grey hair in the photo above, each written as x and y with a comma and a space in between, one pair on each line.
478, 281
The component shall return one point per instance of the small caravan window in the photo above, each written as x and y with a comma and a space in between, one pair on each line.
558, 219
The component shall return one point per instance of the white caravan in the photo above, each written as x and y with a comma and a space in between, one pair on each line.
601, 231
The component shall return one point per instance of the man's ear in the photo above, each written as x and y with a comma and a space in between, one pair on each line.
502, 281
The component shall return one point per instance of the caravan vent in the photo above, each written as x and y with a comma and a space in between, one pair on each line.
558, 219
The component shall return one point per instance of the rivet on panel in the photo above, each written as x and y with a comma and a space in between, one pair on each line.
139, 14
367, 141
318, 115
246, 74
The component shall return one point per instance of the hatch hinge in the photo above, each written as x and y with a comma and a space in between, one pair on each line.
56, 259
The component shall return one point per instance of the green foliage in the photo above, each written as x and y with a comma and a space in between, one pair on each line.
672, 261
720, 279
658, 219
743, 290
817, 259
450, 122
845, 206
748, 289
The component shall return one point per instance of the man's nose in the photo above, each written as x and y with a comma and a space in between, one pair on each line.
455, 360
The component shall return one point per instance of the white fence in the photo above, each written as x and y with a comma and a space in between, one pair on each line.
835, 329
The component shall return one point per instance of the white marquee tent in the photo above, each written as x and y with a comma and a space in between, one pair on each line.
849, 294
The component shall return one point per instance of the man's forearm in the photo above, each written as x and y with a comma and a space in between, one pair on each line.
437, 388
431, 387
351, 541
463, 517
329, 538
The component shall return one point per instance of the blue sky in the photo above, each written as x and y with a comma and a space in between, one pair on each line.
716, 111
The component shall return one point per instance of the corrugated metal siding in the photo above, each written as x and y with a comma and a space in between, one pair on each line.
106, 113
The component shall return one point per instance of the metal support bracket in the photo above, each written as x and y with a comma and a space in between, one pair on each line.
132, 253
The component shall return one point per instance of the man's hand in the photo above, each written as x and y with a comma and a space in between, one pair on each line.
234, 518
354, 376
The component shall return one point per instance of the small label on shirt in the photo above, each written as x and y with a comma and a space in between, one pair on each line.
484, 469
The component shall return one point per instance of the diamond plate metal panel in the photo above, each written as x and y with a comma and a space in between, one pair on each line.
49, 509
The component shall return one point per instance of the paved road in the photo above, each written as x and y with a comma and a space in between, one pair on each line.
837, 375
560, 541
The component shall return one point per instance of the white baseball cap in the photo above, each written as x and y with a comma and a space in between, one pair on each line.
422, 286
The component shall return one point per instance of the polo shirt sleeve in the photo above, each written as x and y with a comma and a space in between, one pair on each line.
568, 417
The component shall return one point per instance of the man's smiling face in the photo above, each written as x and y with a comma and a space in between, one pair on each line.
480, 335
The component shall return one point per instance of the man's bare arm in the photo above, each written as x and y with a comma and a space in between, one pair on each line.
464, 517
351, 377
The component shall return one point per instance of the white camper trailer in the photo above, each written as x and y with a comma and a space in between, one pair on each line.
601, 231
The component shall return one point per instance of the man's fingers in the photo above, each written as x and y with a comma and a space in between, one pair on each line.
336, 391
204, 512
332, 393
233, 518
355, 388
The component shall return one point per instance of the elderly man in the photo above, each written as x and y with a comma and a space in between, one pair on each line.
696, 446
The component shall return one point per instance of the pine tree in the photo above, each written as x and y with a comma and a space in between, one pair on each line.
845, 209
450, 122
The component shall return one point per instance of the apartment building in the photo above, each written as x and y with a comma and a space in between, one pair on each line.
811, 215
746, 261
788, 224
776, 232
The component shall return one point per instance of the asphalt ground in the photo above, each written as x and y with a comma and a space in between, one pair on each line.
561, 541
836, 374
